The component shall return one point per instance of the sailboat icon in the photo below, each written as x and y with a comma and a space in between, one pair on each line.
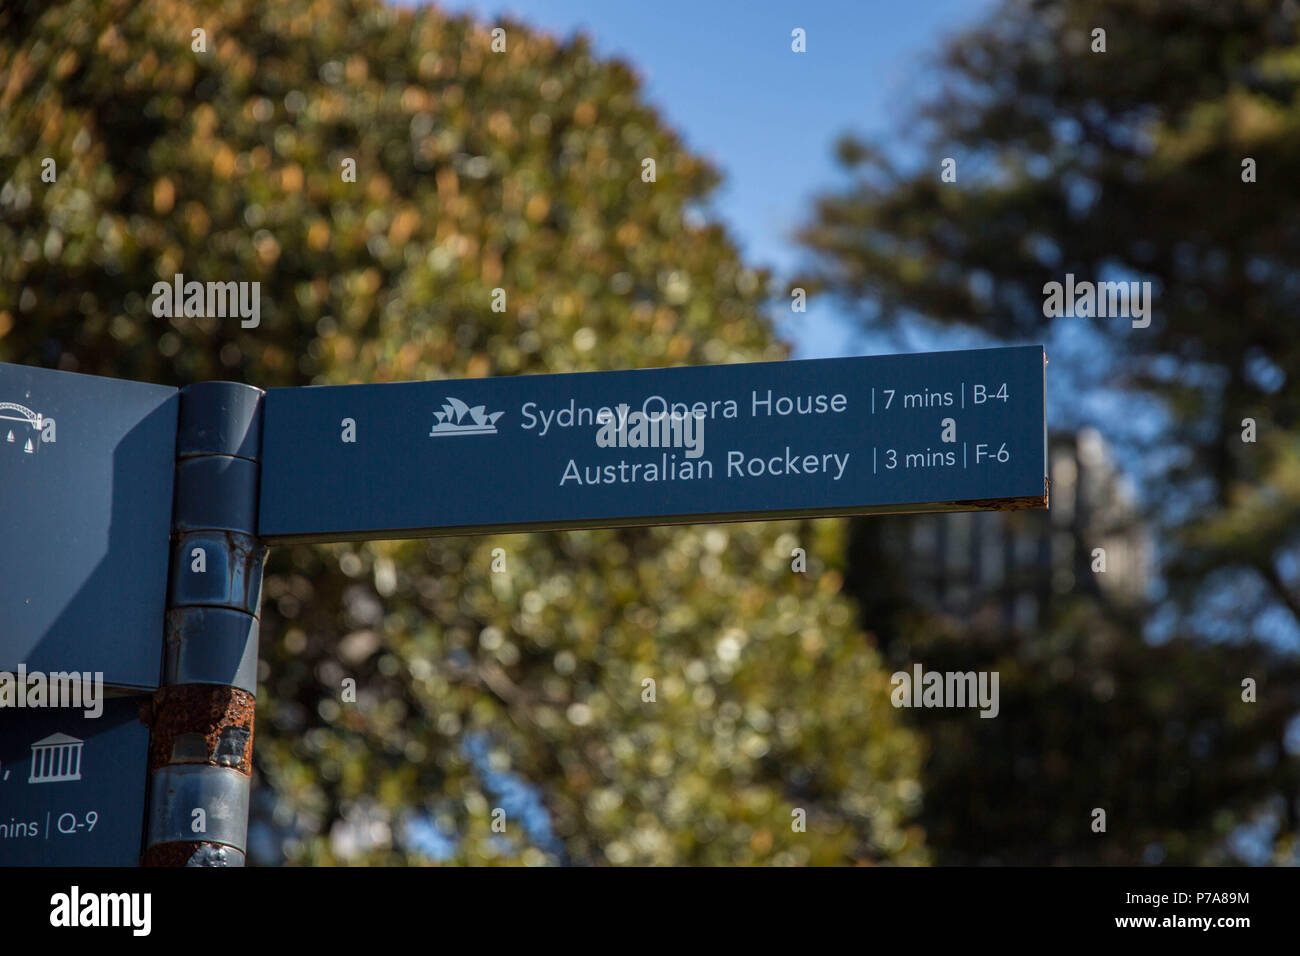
36, 424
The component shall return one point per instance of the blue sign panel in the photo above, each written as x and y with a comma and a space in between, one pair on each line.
934, 431
86, 469
72, 786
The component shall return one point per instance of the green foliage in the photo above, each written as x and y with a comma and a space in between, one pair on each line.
1131, 160
1127, 162
475, 171
1091, 716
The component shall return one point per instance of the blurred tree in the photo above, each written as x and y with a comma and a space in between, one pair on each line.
1117, 157
475, 171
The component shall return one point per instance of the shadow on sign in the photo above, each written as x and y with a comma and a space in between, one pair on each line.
113, 622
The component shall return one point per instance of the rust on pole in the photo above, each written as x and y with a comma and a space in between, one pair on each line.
201, 744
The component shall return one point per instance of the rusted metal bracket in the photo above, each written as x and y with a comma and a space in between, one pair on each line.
201, 747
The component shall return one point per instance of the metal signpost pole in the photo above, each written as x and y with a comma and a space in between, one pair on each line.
200, 754
94, 463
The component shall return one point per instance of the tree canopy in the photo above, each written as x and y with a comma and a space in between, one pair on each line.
476, 170
1134, 141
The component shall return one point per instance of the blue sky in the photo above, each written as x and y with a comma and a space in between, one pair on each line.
723, 74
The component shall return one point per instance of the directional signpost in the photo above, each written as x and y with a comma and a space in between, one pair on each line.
86, 469
931, 432
122, 505
72, 787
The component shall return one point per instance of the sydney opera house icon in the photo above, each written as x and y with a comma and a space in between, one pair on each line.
457, 418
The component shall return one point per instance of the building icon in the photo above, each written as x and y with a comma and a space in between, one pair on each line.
56, 758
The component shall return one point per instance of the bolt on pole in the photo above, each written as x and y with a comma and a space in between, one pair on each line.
201, 744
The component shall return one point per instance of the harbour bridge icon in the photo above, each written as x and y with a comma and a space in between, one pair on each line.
28, 430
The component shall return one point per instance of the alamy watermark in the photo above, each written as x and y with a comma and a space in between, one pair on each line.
76, 689
956, 689
1103, 300
75, 909
216, 300
662, 428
